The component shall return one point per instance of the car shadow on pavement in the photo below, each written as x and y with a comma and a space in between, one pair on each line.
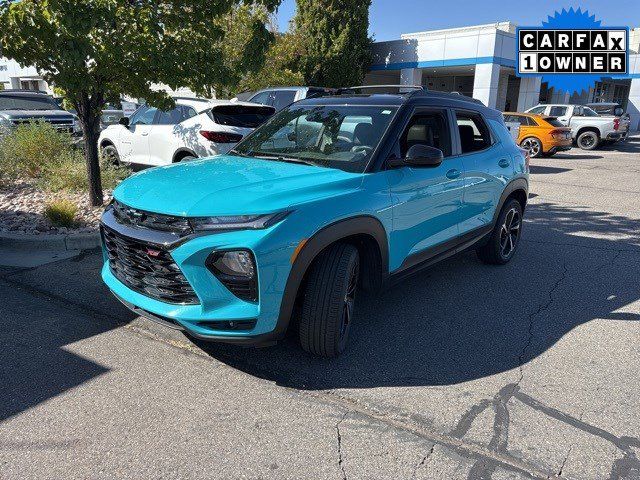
45, 310
543, 169
463, 320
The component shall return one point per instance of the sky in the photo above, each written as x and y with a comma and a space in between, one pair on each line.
389, 18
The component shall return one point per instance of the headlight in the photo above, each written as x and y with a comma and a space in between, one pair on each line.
237, 222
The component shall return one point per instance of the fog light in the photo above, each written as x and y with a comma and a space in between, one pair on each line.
236, 270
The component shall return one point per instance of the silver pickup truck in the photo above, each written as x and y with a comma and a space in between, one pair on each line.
588, 129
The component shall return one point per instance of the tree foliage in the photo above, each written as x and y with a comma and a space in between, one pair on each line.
335, 41
281, 65
98, 50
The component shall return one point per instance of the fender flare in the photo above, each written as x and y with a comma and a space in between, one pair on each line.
364, 224
512, 186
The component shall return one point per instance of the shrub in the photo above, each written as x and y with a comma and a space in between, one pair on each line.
31, 147
69, 173
61, 213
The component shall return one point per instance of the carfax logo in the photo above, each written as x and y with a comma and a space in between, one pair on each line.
571, 51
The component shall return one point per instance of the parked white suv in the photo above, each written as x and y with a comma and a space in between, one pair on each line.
195, 128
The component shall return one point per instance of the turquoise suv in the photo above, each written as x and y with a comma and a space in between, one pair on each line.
332, 195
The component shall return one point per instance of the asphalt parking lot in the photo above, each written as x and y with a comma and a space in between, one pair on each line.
529, 370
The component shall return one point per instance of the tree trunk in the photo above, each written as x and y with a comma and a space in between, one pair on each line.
90, 120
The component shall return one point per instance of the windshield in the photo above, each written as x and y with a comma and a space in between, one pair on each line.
17, 102
335, 136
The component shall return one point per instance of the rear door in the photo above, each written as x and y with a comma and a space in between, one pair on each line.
167, 135
426, 200
486, 169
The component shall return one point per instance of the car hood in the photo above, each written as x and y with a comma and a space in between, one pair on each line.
231, 185
36, 114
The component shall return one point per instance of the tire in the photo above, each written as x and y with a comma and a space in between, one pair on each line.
588, 140
506, 233
533, 146
328, 303
186, 158
110, 153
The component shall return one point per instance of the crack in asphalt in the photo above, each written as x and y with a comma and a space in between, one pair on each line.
530, 335
564, 462
340, 459
423, 461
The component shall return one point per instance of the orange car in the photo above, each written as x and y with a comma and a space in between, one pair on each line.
539, 134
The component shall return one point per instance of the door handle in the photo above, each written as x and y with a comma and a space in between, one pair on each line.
144, 134
504, 162
453, 173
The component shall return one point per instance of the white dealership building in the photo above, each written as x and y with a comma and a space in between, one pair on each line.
479, 61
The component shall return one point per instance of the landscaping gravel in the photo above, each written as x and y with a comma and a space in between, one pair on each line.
22, 208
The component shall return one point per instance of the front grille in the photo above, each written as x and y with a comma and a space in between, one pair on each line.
147, 269
153, 221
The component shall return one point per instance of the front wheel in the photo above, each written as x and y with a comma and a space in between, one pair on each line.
505, 235
329, 300
110, 154
533, 146
588, 140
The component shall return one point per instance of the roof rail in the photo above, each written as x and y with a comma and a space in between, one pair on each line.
344, 90
23, 90
466, 98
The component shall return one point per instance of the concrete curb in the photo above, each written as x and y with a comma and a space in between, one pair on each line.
70, 241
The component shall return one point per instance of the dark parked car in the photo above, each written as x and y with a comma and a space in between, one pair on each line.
22, 106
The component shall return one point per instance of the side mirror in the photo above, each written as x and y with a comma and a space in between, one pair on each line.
124, 121
419, 156
618, 112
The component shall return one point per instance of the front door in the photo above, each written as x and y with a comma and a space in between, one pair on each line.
426, 200
134, 140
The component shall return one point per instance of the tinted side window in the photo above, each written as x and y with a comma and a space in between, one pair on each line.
474, 133
143, 116
538, 110
557, 111
428, 128
283, 98
262, 98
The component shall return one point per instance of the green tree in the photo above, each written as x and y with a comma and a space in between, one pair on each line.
335, 41
98, 50
281, 65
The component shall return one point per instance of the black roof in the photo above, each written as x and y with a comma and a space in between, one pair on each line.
25, 92
414, 97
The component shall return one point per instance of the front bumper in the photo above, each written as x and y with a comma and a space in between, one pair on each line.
217, 307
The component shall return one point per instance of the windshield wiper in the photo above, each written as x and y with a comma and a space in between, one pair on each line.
281, 158
233, 151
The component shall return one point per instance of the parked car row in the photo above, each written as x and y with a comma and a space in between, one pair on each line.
547, 129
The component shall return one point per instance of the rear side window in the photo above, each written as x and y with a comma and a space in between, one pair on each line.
474, 133
428, 128
240, 115
175, 116
282, 98
558, 111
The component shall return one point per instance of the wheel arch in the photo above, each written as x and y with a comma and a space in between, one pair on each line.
105, 142
518, 189
593, 129
365, 232
181, 153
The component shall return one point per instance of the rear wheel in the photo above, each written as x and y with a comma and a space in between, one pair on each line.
533, 146
329, 300
588, 140
505, 236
